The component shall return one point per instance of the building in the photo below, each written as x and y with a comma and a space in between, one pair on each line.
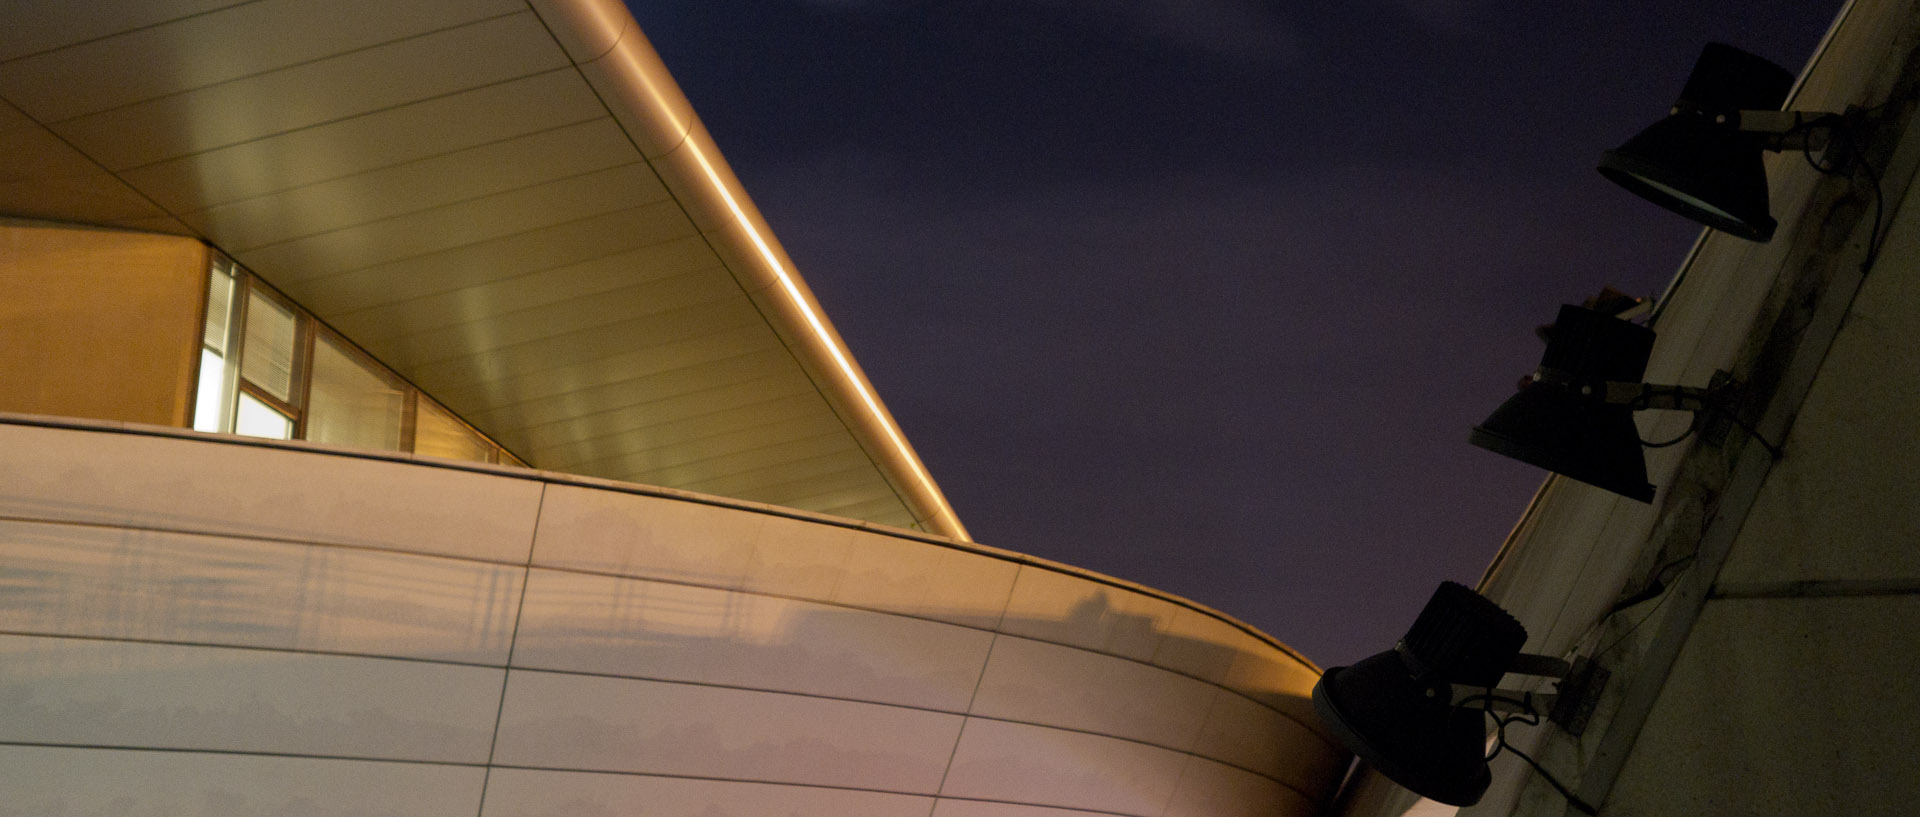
1758, 616
407, 412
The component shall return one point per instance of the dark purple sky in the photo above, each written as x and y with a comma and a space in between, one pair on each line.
1206, 294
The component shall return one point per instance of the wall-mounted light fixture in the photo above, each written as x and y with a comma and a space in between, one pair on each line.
1574, 416
1417, 712
1703, 160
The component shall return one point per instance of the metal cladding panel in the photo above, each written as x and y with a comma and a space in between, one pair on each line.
199, 50
483, 170
423, 129
731, 368
44, 177
719, 413
402, 630
41, 25
462, 223
507, 256
308, 94
496, 300
583, 312
509, 203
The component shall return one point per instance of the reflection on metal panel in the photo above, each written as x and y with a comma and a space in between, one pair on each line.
716, 655
477, 193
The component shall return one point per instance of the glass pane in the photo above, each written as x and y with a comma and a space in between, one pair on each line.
210, 405
351, 404
436, 433
267, 359
219, 309
257, 419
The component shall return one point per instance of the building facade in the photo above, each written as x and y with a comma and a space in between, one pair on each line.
403, 411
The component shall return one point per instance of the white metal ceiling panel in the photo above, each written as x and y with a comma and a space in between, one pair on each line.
769, 477
764, 418
478, 171
200, 50
592, 312
586, 351
793, 431
851, 485
733, 359
497, 300
42, 25
431, 127
659, 469
313, 93
462, 223
717, 413
43, 177
504, 257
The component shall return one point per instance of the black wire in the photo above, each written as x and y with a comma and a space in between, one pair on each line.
1645, 399
1574, 800
1840, 126
1691, 426
1744, 426
1530, 718
1658, 587
1711, 401
1879, 207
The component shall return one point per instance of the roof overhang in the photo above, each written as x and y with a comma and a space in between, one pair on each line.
510, 202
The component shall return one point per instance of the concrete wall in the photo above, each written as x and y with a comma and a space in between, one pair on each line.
201, 625
1767, 667
1796, 692
99, 323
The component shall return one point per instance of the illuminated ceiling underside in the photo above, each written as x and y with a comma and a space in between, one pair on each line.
509, 202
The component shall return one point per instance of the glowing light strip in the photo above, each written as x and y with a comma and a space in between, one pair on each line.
820, 330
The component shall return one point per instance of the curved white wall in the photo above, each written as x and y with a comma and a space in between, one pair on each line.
195, 625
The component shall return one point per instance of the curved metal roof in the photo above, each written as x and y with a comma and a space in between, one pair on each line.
508, 201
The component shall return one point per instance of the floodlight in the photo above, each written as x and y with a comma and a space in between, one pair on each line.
1561, 421
1417, 712
1395, 709
1703, 160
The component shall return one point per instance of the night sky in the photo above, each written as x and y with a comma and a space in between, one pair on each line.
1206, 294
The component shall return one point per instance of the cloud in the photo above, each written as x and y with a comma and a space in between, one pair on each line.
1443, 14
1236, 30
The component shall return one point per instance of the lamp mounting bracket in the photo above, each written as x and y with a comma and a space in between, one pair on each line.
1654, 396
1577, 688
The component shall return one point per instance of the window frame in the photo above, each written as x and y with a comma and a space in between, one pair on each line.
409, 394
307, 331
301, 352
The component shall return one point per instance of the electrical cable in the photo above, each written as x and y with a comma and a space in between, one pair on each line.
1710, 400
1676, 440
1530, 718
1641, 404
1656, 588
1840, 126
1745, 426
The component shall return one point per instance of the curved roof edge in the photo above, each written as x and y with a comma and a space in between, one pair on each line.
604, 42
563, 478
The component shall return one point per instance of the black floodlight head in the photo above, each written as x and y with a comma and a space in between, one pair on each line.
1417, 712
1396, 711
1703, 160
1562, 420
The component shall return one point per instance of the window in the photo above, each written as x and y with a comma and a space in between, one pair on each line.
266, 360
436, 432
352, 403
213, 402
257, 419
268, 369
